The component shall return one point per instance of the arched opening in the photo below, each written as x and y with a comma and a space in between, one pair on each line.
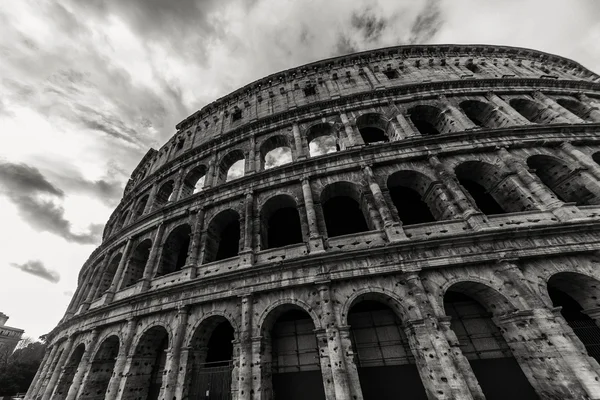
232, 166
558, 177
580, 109
385, 364
175, 250
492, 191
164, 194
429, 120
473, 67
373, 128
148, 364
484, 114
280, 222
209, 369
483, 344
101, 370
68, 373
123, 219
575, 293
141, 206
322, 140
293, 363
275, 151
536, 112
193, 181
596, 158
137, 264
406, 189
222, 237
341, 202
108, 275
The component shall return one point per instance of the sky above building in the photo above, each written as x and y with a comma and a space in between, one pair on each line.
87, 87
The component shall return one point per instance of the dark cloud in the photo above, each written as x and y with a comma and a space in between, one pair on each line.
25, 186
17, 179
37, 268
368, 24
427, 24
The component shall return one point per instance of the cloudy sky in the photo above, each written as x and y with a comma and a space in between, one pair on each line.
86, 87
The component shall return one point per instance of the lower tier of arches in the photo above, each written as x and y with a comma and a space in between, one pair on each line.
518, 329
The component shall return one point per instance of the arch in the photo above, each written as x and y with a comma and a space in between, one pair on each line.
141, 206
164, 194
322, 139
123, 219
596, 157
175, 250
468, 304
384, 361
210, 366
277, 308
148, 363
101, 369
231, 166
373, 128
137, 264
407, 190
108, 275
68, 373
568, 185
536, 112
344, 210
222, 236
583, 111
429, 120
193, 181
578, 294
291, 366
484, 114
280, 222
492, 190
382, 295
275, 151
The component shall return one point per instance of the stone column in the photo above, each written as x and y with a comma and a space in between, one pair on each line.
406, 127
393, 229
350, 134
210, 174
457, 115
325, 362
372, 78
246, 350
92, 293
170, 383
436, 352
40, 375
79, 294
315, 239
247, 254
152, 263
544, 196
582, 158
151, 199
177, 185
473, 216
593, 112
338, 365
110, 293
566, 115
351, 368
194, 252
83, 369
507, 109
58, 368
565, 371
300, 151
250, 167
116, 384
262, 384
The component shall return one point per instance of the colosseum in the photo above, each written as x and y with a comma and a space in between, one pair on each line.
413, 222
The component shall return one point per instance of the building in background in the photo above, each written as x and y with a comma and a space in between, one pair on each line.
418, 222
9, 336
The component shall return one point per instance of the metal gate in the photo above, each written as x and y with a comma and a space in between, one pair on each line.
212, 381
589, 333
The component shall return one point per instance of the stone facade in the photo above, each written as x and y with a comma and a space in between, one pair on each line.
434, 234
9, 337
